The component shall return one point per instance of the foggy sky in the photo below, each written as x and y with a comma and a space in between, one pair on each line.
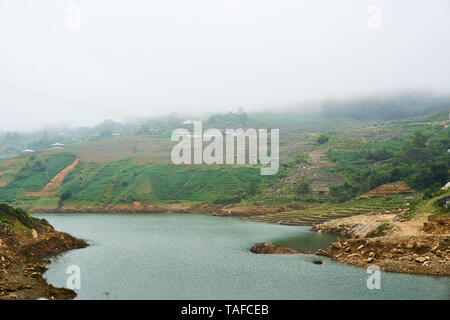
146, 57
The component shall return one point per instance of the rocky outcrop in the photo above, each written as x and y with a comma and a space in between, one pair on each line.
25, 240
428, 255
361, 226
437, 224
420, 245
271, 248
444, 202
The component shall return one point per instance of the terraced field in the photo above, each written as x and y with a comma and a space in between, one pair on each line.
315, 214
318, 170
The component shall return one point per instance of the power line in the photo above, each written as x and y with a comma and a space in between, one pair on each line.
70, 102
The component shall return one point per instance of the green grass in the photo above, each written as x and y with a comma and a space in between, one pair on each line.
19, 221
126, 169
34, 174
123, 182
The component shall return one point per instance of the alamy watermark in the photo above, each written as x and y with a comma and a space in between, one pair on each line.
73, 18
373, 21
74, 280
374, 280
235, 145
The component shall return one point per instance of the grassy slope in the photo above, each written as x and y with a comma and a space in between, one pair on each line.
18, 220
33, 174
125, 182
127, 169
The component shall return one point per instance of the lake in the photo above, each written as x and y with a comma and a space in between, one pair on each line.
186, 256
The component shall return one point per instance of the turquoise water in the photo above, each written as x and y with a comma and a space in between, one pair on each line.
182, 256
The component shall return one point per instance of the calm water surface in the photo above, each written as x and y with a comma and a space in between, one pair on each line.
181, 256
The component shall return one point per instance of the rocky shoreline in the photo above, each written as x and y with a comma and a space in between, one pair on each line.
418, 246
24, 243
427, 255
391, 250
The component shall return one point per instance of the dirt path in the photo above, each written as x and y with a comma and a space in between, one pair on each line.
52, 187
360, 226
411, 227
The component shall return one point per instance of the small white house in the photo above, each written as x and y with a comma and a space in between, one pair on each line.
188, 122
61, 145
27, 151
58, 146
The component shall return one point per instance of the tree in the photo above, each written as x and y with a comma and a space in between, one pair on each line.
66, 195
419, 140
322, 139
302, 186
415, 151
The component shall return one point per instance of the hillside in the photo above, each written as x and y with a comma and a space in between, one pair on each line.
322, 172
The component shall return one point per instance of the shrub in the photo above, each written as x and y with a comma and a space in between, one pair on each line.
66, 195
322, 139
303, 186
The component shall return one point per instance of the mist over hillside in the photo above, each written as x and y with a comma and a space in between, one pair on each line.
386, 107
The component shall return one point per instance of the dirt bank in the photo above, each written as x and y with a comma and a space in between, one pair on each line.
24, 241
419, 246
138, 207
428, 254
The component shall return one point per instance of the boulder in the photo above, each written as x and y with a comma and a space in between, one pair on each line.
337, 245
444, 202
271, 248
437, 224
420, 259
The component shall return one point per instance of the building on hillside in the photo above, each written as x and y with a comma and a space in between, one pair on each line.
58, 146
188, 122
27, 151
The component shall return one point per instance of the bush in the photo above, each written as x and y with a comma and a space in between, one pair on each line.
322, 139
343, 192
66, 195
381, 230
303, 186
